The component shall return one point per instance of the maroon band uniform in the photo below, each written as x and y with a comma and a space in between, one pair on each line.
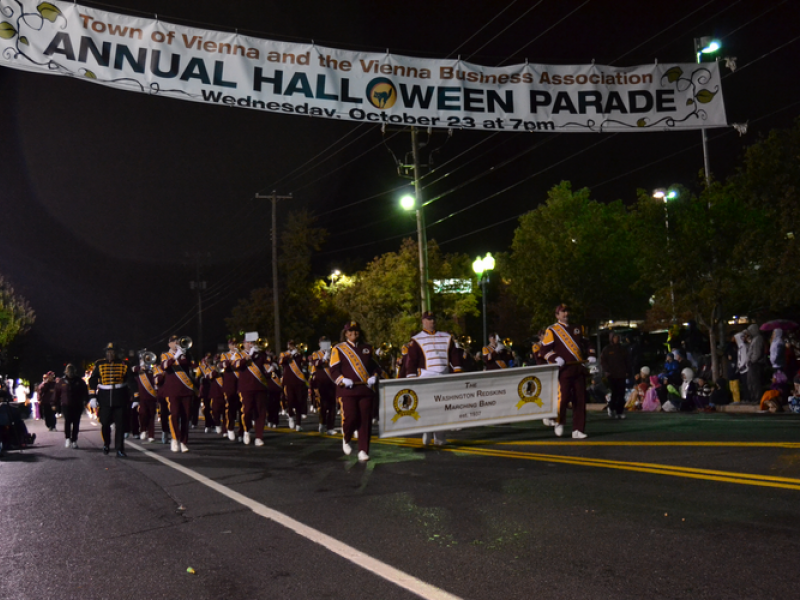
323, 385
357, 363
147, 397
179, 392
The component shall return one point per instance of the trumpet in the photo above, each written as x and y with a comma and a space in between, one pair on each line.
302, 348
508, 343
148, 358
384, 349
261, 344
185, 342
465, 341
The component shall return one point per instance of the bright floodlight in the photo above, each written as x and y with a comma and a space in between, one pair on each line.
660, 194
488, 262
713, 46
477, 266
408, 202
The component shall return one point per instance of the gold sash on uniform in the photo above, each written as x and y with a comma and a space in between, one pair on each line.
296, 370
147, 385
355, 361
567, 340
258, 373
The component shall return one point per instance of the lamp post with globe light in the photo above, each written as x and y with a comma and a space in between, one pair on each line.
666, 196
483, 268
705, 46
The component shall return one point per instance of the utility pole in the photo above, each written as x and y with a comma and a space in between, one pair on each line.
275, 301
422, 235
199, 286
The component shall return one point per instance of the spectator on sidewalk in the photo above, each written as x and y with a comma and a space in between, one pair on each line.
756, 362
614, 362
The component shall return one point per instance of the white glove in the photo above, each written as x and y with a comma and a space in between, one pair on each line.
500, 347
272, 368
592, 360
178, 353
348, 383
372, 381
93, 403
135, 405
251, 351
559, 361
327, 355
295, 352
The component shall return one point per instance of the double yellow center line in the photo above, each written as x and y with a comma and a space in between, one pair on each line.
474, 448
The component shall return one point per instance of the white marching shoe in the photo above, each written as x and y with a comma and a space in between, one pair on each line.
549, 422
143, 435
578, 435
66, 443
218, 429
291, 423
363, 456
258, 442
346, 448
426, 438
246, 438
184, 447
174, 446
559, 430
232, 435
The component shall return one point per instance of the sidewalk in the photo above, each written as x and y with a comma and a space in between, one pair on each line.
735, 407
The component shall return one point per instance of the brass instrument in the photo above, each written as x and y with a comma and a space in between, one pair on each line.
465, 341
261, 344
185, 342
240, 346
384, 349
508, 343
148, 358
302, 348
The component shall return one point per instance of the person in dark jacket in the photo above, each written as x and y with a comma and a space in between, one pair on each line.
614, 361
72, 394
47, 400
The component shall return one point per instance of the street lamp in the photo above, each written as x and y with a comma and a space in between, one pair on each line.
705, 45
409, 203
666, 196
483, 268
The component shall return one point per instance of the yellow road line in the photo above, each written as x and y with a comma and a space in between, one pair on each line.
653, 468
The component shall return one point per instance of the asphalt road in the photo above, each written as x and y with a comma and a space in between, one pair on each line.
657, 506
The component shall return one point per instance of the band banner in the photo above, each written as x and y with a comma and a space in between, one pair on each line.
419, 404
227, 69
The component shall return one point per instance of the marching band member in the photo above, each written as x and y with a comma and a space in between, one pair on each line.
565, 345
147, 397
432, 353
204, 378
109, 391
179, 390
495, 355
230, 388
159, 377
323, 386
274, 389
295, 385
216, 395
354, 369
253, 389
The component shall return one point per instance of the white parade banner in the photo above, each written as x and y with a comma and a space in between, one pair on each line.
227, 69
419, 404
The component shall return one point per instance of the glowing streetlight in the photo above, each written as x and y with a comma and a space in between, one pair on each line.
409, 203
705, 46
666, 196
483, 268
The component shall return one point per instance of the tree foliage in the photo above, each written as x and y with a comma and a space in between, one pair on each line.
300, 304
16, 315
573, 249
385, 296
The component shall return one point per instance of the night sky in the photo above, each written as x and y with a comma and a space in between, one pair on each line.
112, 200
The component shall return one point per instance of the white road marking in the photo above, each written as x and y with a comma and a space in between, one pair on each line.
381, 569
